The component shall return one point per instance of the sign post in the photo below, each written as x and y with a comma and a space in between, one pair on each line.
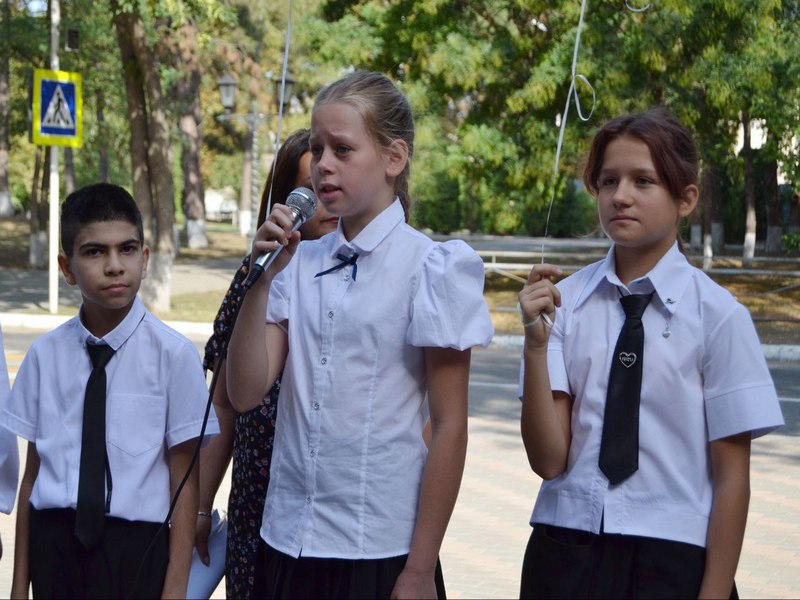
57, 121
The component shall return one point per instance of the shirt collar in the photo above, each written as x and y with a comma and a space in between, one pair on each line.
120, 334
372, 235
668, 279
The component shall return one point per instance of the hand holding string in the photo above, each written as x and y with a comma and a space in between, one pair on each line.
538, 301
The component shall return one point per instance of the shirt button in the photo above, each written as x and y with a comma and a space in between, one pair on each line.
324, 361
316, 405
330, 314
313, 452
308, 499
346, 277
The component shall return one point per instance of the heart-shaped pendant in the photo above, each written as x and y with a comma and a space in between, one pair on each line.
627, 359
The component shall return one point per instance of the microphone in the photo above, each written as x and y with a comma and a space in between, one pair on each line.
303, 204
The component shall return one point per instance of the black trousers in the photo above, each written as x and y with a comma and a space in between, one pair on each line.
118, 567
281, 576
566, 563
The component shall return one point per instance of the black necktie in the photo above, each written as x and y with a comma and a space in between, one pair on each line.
90, 516
619, 448
346, 260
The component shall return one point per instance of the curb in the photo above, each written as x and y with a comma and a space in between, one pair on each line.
776, 352
48, 322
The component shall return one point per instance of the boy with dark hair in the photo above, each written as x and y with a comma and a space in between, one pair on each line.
113, 400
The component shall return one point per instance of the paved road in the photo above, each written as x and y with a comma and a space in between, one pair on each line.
483, 549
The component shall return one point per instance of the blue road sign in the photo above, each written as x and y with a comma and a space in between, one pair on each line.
57, 108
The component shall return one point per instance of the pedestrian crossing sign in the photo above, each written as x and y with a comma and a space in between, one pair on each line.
57, 108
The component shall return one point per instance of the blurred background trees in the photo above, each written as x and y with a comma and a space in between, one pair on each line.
487, 80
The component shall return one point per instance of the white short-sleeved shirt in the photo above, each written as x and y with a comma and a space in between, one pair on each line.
9, 453
156, 399
349, 455
707, 380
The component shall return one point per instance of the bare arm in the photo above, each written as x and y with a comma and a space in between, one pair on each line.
184, 519
21, 581
256, 356
448, 381
545, 419
214, 461
730, 473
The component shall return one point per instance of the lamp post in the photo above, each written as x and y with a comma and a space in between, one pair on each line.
227, 86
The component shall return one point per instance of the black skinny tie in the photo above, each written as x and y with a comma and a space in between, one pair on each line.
90, 516
345, 260
619, 448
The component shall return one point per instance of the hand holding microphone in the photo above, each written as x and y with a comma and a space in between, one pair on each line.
302, 204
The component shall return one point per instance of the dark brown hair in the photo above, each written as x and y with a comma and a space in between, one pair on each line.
386, 113
284, 171
98, 202
672, 149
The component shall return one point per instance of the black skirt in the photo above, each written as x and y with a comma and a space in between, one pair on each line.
286, 577
567, 563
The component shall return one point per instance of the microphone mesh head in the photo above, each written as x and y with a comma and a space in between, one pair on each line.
304, 201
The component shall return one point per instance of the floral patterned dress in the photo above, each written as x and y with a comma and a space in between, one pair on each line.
253, 437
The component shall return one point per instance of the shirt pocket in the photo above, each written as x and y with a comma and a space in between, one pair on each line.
137, 422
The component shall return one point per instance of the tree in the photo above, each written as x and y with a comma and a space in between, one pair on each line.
6, 209
179, 47
184, 57
150, 153
745, 71
489, 79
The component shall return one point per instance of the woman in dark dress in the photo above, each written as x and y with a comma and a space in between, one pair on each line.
248, 437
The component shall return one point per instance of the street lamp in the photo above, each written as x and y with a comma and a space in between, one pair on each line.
288, 90
227, 86
227, 91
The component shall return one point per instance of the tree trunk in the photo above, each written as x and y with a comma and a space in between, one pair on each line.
193, 192
6, 208
37, 241
749, 197
246, 215
102, 147
794, 213
769, 173
696, 231
714, 209
710, 193
157, 286
137, 119
191, 138
69, 171
150, 156
38, 251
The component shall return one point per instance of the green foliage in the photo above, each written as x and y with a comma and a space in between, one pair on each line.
574, 213
434, 191
222, 170
495, 75
791, 242
487, 81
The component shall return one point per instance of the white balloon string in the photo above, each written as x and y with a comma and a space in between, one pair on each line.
573, 91
281, 104
636, 10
